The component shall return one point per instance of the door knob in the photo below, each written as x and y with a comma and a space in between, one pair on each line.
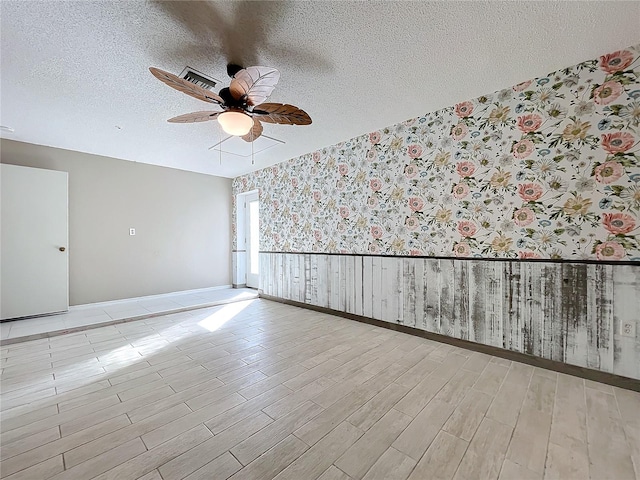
62, 249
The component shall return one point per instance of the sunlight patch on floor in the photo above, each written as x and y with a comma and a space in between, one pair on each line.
217, 319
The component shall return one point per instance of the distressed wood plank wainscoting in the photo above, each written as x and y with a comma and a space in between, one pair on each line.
567, 312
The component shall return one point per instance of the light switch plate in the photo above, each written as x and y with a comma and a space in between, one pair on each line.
132, 231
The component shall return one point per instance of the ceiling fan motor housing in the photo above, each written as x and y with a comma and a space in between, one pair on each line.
232, 69
230, 102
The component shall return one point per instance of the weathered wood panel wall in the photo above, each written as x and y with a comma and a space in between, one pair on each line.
567, 312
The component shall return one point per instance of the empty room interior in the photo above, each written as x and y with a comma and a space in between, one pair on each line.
333, 240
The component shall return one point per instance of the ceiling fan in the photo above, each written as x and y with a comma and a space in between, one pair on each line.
242, 104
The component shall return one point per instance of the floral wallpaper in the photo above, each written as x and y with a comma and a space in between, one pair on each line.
547, 169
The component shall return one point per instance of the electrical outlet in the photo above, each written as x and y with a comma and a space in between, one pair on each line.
628, 328
132, 231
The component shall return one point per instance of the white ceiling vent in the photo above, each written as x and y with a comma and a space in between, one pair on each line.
194, 76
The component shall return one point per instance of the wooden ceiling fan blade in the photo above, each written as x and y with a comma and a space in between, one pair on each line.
282, 113
185, 86
255, 131
194, 117
254, 83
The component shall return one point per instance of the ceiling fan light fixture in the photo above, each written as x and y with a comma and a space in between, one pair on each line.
235, 123
249, 88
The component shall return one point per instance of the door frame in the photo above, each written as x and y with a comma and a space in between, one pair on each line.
253, 279
241, 257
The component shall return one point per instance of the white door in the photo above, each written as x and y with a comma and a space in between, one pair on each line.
34, 276
252, 230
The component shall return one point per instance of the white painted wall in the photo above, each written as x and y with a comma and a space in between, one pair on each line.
182, 221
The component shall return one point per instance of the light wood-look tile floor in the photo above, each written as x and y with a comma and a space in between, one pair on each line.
260, 390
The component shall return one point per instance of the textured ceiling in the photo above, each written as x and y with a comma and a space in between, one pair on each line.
74, 75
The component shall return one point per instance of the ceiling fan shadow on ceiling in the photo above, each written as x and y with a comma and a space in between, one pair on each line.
242, 102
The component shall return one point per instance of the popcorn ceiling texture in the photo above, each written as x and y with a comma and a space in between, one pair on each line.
354, 66
547, 169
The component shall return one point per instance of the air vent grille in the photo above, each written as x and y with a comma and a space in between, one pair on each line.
194, 76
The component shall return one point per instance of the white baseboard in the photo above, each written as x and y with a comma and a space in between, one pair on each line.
148, 297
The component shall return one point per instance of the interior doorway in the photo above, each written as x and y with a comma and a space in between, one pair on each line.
34, 277
252, 239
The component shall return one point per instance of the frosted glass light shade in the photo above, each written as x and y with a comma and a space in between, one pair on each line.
235, 123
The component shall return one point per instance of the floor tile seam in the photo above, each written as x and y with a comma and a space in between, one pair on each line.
589, 445
28, 412
85, 355
89, 459
62, 384
3, 395
104, 452
111, 417
178, 372
283, 370
93, 353
75, 419
513, 428
35, 464
230, 453
25, 361
248, 400
625, 425
481, 371
392, 407
37, 387
21, 375
64, 461
553, 408
466, 449
153, 369
190, 351
273, 447
77, 446
114, 431
502, 382
440, 429
32, 448
506, 452
433, 396
235, 369
199, 394
301, 346
86, 372
213, 435
348, 476
326, 434
369, 429
505, 457
72, 396
118, 366
202, 408
521, 404
28, 402
309, 369
21, 347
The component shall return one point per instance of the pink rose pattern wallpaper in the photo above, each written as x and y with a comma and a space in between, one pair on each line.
546, 169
